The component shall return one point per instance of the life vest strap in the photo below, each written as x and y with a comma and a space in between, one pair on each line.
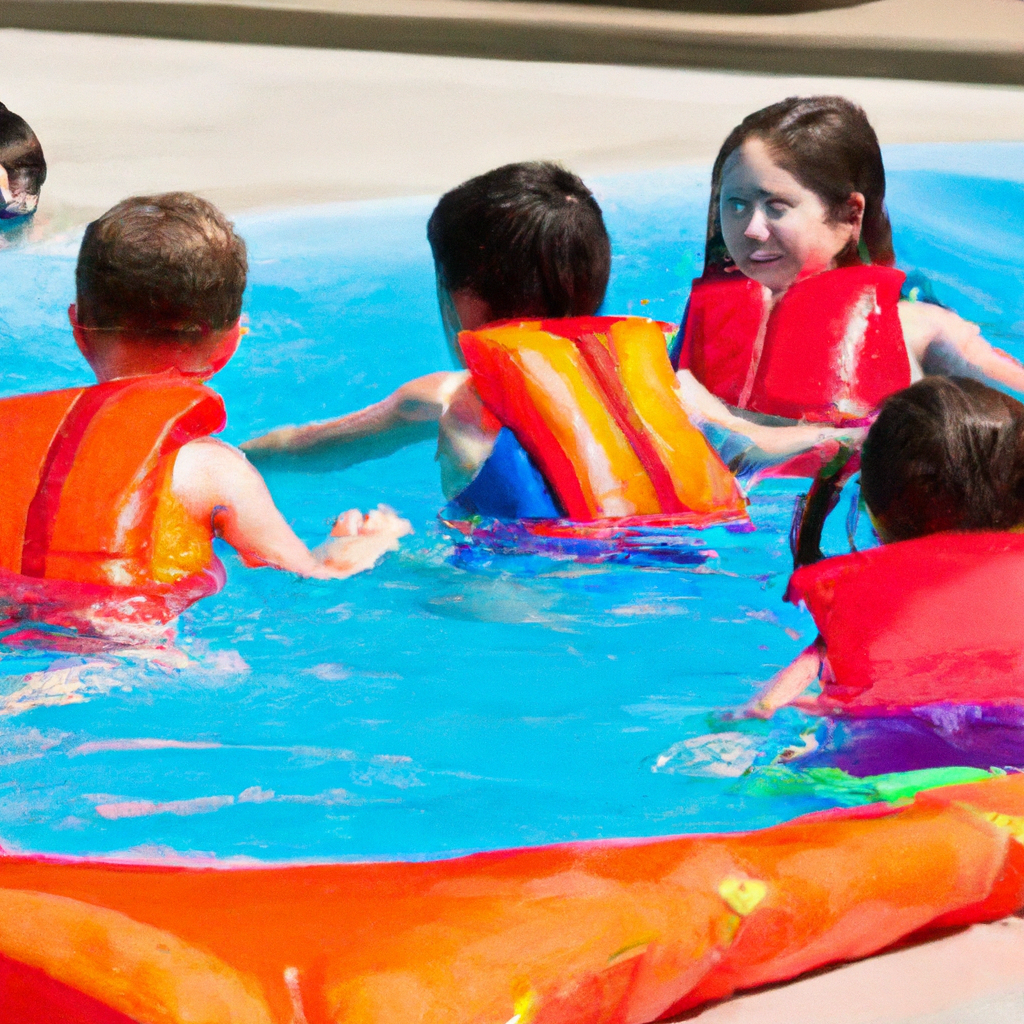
42, 510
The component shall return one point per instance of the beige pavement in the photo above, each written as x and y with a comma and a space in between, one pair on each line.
951, 40
974, 977
254, 126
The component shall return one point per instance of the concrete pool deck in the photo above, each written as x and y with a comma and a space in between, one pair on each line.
949, 40
253, 126
973, 977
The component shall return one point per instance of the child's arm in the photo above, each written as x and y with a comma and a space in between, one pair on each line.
773, 443
466, 436
944, 343
406, 416
216, 484
786, 686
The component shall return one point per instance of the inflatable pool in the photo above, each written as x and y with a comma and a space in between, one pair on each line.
456, 700
626, 931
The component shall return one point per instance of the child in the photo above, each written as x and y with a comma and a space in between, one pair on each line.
935, 614
112, 494
22, 167
522, 241
798, 313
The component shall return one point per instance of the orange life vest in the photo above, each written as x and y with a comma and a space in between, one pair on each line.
593, 400
830, 350
90, 528
937, 619
626, 930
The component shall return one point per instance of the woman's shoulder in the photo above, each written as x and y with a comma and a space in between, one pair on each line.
925, 322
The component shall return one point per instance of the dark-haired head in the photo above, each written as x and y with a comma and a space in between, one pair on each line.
527, 240
829, 146
161, 266
21, 157
947, 453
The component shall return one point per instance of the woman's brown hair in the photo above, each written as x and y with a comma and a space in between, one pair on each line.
829, 146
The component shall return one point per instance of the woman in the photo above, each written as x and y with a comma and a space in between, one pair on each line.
798, 315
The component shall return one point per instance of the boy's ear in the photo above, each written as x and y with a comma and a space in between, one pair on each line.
473, 311
81, 337
226, 347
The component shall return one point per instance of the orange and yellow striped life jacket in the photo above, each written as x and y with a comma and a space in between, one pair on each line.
594, 402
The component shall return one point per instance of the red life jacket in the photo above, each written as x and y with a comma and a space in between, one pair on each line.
594, 401
90, 529
830, 350
937, 619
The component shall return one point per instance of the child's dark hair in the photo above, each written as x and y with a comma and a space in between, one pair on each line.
528, 239
21, 156
161, 265
829, 146
947, 453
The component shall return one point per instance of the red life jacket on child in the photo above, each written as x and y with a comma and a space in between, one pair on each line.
593, 400
937, 619
90, 529
829, 351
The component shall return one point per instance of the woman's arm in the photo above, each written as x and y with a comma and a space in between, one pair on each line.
407, 415
761, 444
789, 684
946, 344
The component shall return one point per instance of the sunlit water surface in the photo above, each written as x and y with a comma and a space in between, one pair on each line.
440, 705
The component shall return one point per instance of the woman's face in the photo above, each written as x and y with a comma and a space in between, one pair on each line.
776, 230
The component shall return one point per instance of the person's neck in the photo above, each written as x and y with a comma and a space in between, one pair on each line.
117, 364
123, 356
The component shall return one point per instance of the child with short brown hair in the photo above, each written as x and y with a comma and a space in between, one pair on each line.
113, 494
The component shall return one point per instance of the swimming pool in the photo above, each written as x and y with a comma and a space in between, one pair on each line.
438, 706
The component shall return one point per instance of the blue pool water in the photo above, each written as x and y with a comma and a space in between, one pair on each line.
437, 706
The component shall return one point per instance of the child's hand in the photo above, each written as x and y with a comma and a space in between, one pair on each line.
851, 437
788, 686
757, 709
357, 542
